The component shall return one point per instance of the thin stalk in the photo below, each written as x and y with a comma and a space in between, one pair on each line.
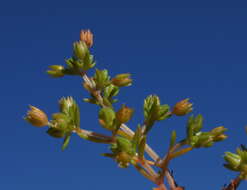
170, 180
234, 184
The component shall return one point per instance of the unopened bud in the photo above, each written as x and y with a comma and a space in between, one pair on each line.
220, 138
87, 37
233, 160
218, 130
56, 71
182, 108
36, 117
80, 49
123, 159
124, 114
87, 87
122, 80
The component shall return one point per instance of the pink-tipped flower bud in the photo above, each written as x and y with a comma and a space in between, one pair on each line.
182, 108
36, 117
87, 37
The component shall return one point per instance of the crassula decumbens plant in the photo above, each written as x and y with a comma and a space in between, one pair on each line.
129, 147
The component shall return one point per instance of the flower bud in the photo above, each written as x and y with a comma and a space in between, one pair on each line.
220, 138
182, 108
36, 117
65, 104
124, 114
218, 130
233, 160
123, 159
106, 118
80, 49
56, 71
122, 80
87, 87
87, 37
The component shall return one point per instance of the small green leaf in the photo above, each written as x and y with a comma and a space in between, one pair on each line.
93, 138
164, 109
137, 137
111, 91
109, 155
141, 147
173, 138
90, 100
66, 141
198, 122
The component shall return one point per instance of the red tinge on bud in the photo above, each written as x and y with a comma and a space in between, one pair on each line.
87, 37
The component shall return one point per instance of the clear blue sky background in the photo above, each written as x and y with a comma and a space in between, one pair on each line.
175, 49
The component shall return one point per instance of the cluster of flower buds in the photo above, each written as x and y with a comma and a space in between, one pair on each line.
108, 87
237, 162
111, 120
81, 61
126, 148
196, 138
153, 111
218, 133
124, 151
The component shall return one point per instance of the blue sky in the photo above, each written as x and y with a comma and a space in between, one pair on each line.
175, 50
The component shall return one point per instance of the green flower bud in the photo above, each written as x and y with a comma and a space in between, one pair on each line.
101, 78
65, 104
194, 125
107, 118
152, 107
36, 117
124, 114
80, 50
233, 160
56, 71
60, 121
69, 107
125, 145
122, 80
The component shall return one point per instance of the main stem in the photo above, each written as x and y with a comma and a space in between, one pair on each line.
148, 149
